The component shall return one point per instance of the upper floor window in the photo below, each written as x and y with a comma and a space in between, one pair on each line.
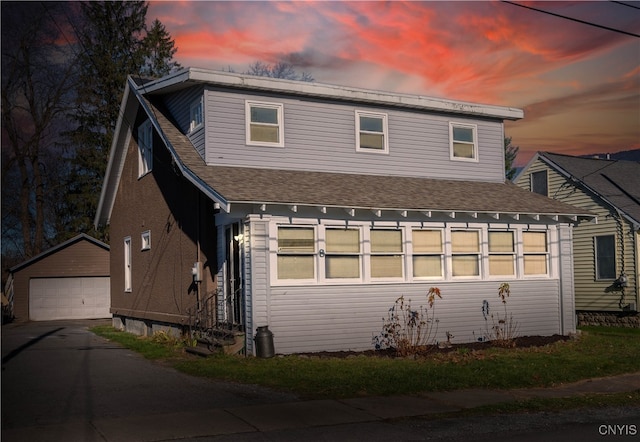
372, 132
605, 248
145, 148
463, 141
196, 114
535, 253
539, 183
264, 124
465, 253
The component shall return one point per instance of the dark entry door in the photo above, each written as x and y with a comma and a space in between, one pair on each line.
233, 283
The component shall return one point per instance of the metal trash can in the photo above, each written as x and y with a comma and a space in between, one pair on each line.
264, 342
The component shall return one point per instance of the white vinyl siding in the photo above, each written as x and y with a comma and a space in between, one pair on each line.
320, 137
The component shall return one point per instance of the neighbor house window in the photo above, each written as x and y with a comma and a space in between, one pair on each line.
145, 238
265, 125
605, 247
342, 258
534, 250
296, 252
387, 253
463, 141
539, 183
501, 254
465, 253
127, 264
145, 148
372, 132
427, 253
195, 114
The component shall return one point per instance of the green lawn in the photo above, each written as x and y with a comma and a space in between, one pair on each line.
599, 352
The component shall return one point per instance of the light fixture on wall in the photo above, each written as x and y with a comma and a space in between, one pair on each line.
239, 238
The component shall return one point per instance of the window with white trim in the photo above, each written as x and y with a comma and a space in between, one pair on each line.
196, 114
296, 253
502, 253
387, 253
605, 254
264, 124
427, 253
127, 264
465, 253
145, 148
145, 240
463, 140
372, 132
535, 253
343, 253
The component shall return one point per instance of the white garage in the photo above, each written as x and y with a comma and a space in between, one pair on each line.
69, 298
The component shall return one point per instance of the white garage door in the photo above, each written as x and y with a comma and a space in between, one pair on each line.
69, 298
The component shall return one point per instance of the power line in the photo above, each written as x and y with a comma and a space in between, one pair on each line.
575, 19
625, 4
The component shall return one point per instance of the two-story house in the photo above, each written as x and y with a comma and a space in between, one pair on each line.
606, 252
310, 208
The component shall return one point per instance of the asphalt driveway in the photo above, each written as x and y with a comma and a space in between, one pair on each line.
57, 374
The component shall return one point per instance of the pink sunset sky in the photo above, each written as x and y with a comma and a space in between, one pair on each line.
579, 85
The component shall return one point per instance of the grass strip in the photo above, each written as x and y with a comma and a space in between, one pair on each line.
599, 352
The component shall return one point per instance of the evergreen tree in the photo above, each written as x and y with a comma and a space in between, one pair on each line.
160, 49
510, 153
114, 44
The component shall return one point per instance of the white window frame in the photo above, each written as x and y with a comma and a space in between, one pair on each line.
145, 148
196, 114
385, 131
314, 254
547, 254
414, 254
324, 253
513, 254
280, 125
145, 240
479, 254
474, 144
127, 265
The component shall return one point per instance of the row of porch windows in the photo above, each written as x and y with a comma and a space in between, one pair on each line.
385, 253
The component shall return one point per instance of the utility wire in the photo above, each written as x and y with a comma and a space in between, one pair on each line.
574, 19
625, 4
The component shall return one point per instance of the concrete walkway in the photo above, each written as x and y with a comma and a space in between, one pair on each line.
248, 422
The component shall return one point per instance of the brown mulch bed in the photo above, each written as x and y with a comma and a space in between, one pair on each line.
520, 342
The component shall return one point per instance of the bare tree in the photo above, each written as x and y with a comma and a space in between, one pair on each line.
37, 81
278, 70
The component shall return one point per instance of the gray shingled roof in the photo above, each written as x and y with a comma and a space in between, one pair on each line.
616, 181
271, 186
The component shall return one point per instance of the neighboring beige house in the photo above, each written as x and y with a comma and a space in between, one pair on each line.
606, 254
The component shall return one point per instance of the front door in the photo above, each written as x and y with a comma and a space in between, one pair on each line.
233, 279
